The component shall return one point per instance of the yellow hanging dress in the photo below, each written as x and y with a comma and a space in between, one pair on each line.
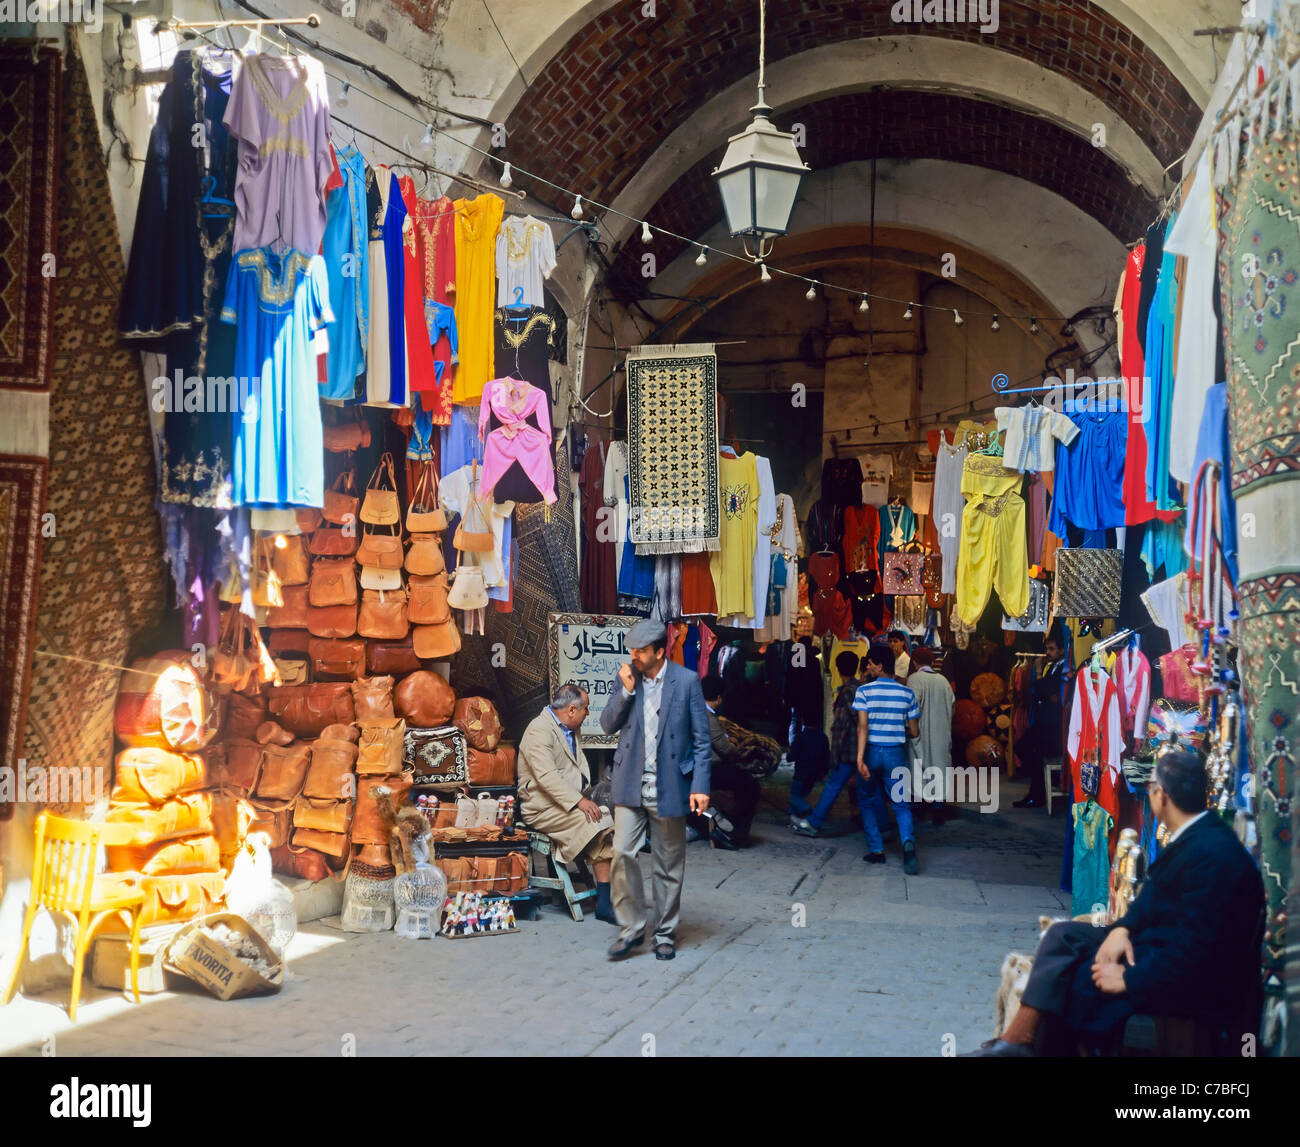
478, 222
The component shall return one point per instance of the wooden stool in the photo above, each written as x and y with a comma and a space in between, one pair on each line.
555, 873
1050, 790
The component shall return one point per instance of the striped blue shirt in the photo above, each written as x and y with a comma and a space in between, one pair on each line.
888, 705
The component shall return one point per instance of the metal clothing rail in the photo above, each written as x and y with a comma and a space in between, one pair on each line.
174, 25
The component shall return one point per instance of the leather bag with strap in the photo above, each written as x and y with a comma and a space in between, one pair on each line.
474, 531
425, 514
333, 582
291, 561
427, 600
425, 556
380, 506
337, 659
307, 709
383, 615
381, 547
341, 502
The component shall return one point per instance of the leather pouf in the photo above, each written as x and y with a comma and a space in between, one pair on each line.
477, 718
425, 699
985, 750
968, 720
988, 689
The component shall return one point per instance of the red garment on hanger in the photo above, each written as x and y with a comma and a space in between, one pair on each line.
708, 640
861, 538
420, 373
1133, 684
698, 595
1095, 735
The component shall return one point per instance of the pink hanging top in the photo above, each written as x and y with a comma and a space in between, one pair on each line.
512, 402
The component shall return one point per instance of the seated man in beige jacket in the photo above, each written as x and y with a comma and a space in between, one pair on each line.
553, 774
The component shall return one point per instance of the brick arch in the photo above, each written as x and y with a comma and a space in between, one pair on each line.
602, 105
898, 124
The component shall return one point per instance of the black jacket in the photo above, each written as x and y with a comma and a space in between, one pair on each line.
1195, 926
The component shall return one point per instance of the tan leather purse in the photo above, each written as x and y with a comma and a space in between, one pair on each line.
392, 658
307, 709
469, 589
267, 589
330, 774
234, 660
308, 518
427, 600
368, 825
291, 562
330, 843
380, 506
383, 615
283, 771
341, 501
334, 543
381, 549
322, 814
292, 613
333, 582
372, 698
337, 659
425, 557
332, 621
435, 642
425, 515
372, 577
350, 432
379, 751
474, 531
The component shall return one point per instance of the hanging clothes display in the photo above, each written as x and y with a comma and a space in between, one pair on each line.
279, 301
420, 372
515, 425
525, 256
1031, 435
279, 112
861, 547
598, 571
779, 623
949, 505
176, 275
877, 470
435, 240
732, 566
761, 564
1094, 742
897, 528
1088, 489
379, 344
992, 540
1132, 673
698, 595
478, 222
1159, 368
1212, 446
346, 250
1090, 887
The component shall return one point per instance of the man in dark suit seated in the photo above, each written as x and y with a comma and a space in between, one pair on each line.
1188, 945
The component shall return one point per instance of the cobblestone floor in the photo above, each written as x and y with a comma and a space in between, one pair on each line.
792, 947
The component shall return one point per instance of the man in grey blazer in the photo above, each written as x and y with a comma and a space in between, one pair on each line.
661, 772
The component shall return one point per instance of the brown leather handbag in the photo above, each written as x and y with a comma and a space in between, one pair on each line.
330, 774
425, 515
293, 613
304, 863
427, 600
381, 549
380, 506
330, 843
307, 709
291, 561
333, 582
267, 590
474, 531
380, 749
424, 699
494, 768
283, 642
156, 774
368, 825
239, 770
425, 556
243, 715
323, 814
337, 659
334, 543
308, 518
341, 501
436, 642
293, 670
273, 818
383, 615
332, 620
284, 769
394, 658
349, 432
372, 698
477, 718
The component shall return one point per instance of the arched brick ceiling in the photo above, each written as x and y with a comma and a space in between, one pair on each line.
919, 125
605, 102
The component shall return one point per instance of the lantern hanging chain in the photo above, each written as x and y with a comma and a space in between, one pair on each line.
762, 46
855, 292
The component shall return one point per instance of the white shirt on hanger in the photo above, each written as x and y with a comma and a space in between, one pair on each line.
525, 256
877, 469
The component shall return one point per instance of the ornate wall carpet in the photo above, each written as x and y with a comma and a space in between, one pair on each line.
672, 415
545, 582
29, 161
102, 577
22, 500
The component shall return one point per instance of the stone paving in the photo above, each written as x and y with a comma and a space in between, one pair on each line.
791, 947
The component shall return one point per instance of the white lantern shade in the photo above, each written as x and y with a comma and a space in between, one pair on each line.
758, 179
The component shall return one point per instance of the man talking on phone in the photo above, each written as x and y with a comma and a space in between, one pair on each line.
661, 772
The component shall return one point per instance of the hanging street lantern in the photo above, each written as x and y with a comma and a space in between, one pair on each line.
760, 172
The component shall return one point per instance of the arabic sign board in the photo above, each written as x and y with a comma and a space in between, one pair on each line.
587, 649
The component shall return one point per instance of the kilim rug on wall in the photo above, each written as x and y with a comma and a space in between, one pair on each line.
672, 435
29, 156
102, 576
22, 499
545, 582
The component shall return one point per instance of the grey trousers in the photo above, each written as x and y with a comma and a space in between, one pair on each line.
668, 850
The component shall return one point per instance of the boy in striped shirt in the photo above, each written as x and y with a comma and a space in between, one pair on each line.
887, 714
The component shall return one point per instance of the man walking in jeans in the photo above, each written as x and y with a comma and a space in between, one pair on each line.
887, 713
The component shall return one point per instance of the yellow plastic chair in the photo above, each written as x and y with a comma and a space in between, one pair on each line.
64, 883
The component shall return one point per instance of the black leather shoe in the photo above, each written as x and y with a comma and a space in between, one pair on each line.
874, 858
1027, 802
665, 952
1000, 1049
621, 949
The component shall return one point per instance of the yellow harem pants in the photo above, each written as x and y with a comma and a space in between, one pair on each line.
992, 556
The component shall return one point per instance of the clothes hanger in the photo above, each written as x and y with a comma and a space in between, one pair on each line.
210, 200
517, 305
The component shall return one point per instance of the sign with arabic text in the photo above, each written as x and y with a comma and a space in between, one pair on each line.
587, 649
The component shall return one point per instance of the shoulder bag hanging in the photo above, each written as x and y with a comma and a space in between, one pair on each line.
474, 533
381, 549
380, 507
425, 515
468, 588
341, 501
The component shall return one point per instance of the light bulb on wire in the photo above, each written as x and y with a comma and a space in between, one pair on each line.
576, 213
1033, 326
996, 326
646, 236
907, 314
957, 320
506, 178
343, 99
811, 294
427, 141
764, 277
700, 259
864, 306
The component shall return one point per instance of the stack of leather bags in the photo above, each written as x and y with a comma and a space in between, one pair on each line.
381, 783
490, 762
434, 635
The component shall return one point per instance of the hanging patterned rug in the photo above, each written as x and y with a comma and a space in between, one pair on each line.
102, 579
672, 414
29, 161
